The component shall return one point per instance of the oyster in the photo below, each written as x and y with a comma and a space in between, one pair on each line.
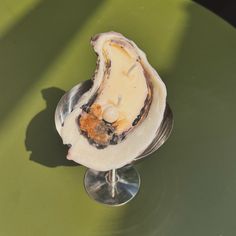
116, 119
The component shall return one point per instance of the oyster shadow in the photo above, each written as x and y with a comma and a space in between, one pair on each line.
42, 138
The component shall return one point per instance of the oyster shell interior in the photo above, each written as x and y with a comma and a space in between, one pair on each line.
122, 100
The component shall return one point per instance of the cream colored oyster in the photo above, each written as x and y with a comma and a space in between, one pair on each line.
118, 117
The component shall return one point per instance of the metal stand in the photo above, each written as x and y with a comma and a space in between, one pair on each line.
118, 186
115, 187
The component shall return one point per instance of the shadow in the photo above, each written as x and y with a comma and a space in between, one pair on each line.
188, 185
30, 46
42, 138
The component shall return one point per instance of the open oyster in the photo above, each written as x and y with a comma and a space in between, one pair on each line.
116, 119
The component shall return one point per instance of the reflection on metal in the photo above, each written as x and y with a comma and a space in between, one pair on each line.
162, 134
118, 186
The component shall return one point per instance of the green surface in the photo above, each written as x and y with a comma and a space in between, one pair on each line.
188, 187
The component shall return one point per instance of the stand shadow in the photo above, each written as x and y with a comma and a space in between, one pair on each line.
42, 138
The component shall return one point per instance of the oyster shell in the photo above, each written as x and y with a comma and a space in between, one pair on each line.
117, 118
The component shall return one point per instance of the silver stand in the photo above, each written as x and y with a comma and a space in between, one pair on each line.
115, 187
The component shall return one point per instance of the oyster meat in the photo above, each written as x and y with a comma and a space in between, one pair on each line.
117, 118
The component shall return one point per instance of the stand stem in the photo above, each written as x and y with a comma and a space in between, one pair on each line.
112, 180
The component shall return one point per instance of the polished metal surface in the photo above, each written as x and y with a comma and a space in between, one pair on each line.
162, 134
69, 101
115, 187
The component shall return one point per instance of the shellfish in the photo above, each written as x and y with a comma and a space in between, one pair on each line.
116, 119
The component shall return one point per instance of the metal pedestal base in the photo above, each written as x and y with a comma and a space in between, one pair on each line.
115, 187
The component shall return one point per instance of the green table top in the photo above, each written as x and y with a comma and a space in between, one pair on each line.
188, 187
